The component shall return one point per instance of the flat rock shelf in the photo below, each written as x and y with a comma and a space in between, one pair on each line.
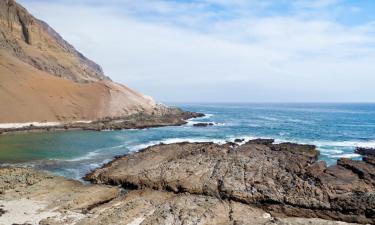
258, 182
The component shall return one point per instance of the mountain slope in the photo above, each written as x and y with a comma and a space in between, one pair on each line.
43, 78
37, 44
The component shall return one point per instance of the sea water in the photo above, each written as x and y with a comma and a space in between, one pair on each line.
336, 129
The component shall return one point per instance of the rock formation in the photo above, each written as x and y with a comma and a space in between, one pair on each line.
203, 124
38, 198
285, 179
37, 44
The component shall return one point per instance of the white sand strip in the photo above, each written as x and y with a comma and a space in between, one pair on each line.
24, 211
38, 124
137, 221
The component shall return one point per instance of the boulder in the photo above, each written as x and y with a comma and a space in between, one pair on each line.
203, 124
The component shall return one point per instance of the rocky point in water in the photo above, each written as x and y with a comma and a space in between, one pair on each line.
203, 124
167, 117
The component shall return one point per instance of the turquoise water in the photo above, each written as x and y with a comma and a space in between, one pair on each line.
336, 129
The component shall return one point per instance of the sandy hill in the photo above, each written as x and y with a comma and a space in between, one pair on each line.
44, 78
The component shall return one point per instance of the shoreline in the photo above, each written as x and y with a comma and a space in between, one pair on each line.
136, 121
213, 179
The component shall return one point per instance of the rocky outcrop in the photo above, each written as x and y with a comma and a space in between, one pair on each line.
203, 124
285, 179
239, 140
31, 197
370, 152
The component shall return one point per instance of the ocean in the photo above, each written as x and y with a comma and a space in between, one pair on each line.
336, 129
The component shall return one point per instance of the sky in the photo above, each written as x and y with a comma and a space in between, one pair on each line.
226, 50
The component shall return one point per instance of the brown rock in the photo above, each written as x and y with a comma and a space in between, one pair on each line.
45, 199
284, 178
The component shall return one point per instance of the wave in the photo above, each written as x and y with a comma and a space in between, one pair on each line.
366, 144
178, 140
268, 118
323, 146
93, 154
330, 151
284, 133
88, 156
193, 140
329, 148
143, 146
192, 122
347, 155
207, 116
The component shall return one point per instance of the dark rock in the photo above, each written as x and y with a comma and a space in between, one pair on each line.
365, 151
261, 141
2, 211
203, 124
369, 160
238, 140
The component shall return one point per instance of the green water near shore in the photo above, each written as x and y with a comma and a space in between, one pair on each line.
17, 148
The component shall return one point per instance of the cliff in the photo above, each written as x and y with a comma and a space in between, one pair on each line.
44, 78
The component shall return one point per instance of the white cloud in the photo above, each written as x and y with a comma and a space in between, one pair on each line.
316, 4
189, 52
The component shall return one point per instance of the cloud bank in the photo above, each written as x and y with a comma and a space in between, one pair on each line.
225, 51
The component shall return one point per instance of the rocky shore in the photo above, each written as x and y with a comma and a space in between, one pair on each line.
285, 179
170, 117
258, 182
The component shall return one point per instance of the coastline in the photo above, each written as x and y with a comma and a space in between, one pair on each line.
174, 117
257, 182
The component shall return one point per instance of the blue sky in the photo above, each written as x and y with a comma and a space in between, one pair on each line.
226, 50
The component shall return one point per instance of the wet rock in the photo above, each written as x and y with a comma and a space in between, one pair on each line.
238, 140
203, 124
261, 141
365, 151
